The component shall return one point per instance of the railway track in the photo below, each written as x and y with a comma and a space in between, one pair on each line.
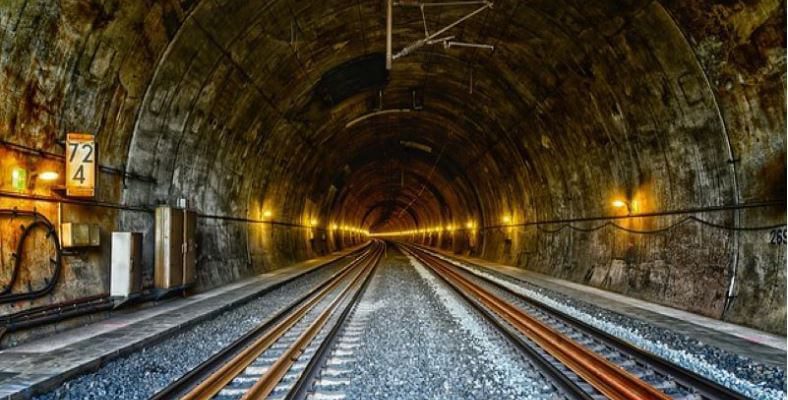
583, 361
268, 361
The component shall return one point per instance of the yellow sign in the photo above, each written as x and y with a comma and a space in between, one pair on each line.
81, 161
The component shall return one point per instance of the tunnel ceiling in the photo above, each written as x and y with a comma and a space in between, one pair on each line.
245, 105
573, 92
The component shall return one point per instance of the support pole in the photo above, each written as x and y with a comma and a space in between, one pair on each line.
389, 27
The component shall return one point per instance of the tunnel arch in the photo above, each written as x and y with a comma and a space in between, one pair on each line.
587, 135
579, 103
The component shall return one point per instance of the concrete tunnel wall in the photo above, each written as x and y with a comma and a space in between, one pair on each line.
670, 105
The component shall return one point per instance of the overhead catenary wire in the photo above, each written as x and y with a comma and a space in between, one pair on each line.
424, 186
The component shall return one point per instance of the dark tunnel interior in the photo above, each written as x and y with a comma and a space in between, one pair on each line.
625, 145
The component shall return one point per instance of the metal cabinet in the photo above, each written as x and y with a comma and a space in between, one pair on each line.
80, 235
189, 248
175, 262
126, 274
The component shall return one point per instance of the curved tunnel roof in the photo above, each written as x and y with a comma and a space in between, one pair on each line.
577, 103
248, 106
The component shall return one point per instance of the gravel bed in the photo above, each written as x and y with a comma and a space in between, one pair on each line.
141, 374
737, 372
421, 341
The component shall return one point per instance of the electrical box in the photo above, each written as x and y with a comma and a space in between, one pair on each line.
126, 277
80, 235
175, 264
189, 248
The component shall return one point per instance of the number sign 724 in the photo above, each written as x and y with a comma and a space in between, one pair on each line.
80, 165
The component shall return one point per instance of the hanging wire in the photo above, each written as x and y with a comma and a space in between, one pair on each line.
424, 186
661, 230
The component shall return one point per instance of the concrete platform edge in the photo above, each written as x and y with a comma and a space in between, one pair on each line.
50, 382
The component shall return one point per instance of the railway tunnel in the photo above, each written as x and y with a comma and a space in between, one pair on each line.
629, 156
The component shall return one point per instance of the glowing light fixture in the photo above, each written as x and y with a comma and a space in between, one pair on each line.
267, 214
334, 227
469, 225
313, 222
622, 203
19, 178
48, 176
507, 219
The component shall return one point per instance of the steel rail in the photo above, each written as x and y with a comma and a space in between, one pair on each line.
197, 375
271, 378
703, 386
220, 378
300, 389
570, 388
606, 377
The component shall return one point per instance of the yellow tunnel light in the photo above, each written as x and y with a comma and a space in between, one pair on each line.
313, 222
48, 176
267, 214
469, 225
507, 219
450, 228
334, 227
618, 203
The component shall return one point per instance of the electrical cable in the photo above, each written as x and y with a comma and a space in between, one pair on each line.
660, 230
39, 222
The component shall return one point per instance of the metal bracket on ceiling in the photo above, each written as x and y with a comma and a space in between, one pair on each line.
431, 38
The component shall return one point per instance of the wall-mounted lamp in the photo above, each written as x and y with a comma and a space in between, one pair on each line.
48, 176
621, 204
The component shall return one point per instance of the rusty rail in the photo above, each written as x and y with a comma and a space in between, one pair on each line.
223, 375
266, 384
609, 379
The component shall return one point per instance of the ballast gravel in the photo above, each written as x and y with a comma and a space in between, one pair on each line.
141, 374
421, 341
740, 373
